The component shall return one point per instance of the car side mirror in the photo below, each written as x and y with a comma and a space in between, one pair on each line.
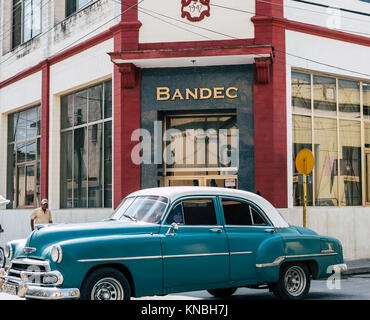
173, 227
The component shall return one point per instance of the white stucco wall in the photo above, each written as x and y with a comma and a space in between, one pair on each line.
331, 17
162, 22
16, 223
20, 94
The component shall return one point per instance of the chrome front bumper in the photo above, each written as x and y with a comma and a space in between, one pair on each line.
339, 268
28, 290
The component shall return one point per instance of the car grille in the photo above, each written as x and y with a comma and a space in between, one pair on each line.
30, 266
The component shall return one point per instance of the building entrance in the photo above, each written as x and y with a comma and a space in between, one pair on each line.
201, 150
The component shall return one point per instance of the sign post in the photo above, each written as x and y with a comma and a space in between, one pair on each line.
304, 163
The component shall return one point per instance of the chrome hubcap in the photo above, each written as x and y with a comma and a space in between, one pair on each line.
295, 280
107, 289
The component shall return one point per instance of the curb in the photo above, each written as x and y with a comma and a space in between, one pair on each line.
354, 271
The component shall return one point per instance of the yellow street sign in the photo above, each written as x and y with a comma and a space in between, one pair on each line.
304, 161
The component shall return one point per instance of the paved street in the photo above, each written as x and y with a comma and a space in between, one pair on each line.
353, 288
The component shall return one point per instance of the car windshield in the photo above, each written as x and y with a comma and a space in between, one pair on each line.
142, 208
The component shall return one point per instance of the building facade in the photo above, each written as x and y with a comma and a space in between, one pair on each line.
101, 98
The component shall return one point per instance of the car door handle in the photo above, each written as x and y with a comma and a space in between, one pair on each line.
269, 230
217, 230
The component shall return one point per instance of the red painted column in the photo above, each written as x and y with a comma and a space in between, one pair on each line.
270, 105
45, 103
126, 91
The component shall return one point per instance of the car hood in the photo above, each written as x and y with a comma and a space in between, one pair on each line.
52, 234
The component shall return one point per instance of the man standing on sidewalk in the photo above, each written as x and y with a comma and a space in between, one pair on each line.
41, 215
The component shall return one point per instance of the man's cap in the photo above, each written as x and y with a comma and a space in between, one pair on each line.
43, 201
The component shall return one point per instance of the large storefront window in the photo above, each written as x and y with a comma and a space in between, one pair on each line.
86, 148
328, 119
23, 167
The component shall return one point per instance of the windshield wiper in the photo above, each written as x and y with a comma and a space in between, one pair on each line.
130, 217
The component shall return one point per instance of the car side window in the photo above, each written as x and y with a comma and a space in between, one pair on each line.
176, 215
194, 212
241, 213
236, 213
257, 218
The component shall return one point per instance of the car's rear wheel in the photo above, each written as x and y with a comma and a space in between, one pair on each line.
106, 284
222, 292
294, 282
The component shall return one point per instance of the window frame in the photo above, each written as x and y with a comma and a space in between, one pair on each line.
194, 197
69, 13
87, 125
20, 3
35, 163
251, 205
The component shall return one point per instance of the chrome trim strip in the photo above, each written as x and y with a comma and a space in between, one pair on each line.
196, 255
238, 253
265, 226
119, 259
278, 260
157, 257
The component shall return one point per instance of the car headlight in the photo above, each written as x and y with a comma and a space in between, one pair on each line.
9, 251
56, 253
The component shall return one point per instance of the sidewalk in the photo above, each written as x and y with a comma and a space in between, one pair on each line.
360, 266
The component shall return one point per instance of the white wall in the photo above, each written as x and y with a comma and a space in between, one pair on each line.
16, 223
162, 22
22, 93
330, 17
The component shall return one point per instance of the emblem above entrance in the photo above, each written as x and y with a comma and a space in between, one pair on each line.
195, 10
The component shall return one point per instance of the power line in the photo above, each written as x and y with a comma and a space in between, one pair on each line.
338, 29
319, 12
197, 26
293, 55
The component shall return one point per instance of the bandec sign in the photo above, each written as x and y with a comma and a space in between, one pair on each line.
165, 93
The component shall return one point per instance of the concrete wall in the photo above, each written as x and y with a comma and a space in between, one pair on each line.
16, 223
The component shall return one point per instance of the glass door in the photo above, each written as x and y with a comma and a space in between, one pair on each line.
26, 185
201, 150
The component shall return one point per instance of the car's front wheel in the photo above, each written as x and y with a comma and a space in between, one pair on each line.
222, 293
2, 258
106, 284
294, 282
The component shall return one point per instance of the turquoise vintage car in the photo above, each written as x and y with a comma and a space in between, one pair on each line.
175, 239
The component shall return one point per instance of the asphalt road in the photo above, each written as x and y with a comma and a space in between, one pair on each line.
353, 288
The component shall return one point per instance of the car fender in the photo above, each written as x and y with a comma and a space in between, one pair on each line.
268, 259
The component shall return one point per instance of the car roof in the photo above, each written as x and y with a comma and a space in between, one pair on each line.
174, 193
